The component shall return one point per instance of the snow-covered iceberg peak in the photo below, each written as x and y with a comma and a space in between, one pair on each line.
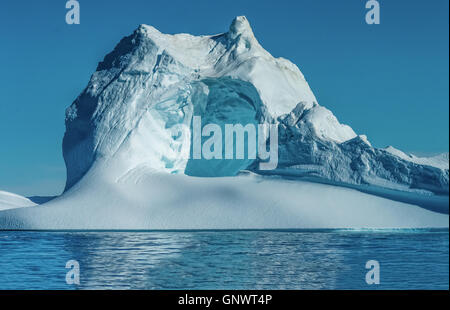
152, 83
241, 27
139, 106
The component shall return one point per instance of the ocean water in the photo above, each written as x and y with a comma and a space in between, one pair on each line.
295, 259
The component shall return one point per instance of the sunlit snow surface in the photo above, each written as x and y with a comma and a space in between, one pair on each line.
12, 201
142, 200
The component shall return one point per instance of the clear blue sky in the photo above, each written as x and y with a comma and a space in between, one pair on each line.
387, 81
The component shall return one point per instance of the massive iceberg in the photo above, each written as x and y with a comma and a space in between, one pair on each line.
126, 169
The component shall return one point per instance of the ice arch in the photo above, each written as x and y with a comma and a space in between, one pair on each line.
223, 101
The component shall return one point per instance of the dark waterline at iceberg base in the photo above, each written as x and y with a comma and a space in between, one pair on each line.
286, 259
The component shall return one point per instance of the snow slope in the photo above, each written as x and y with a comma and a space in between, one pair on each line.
143, 199
439, 161
13, 201
128, 143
